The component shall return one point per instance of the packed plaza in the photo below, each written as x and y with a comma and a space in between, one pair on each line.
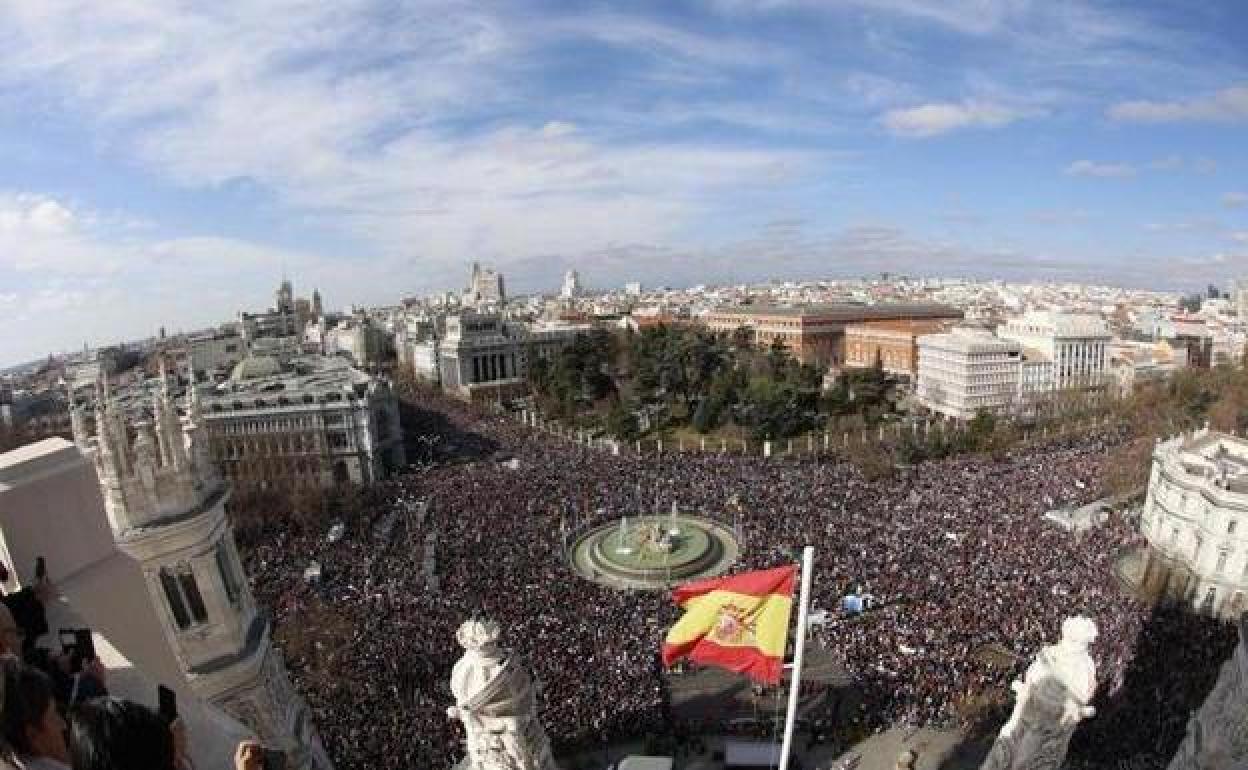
969, 580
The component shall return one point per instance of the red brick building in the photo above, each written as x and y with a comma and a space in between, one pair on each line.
894, 344
816, 333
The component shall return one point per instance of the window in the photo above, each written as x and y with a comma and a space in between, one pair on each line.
228, 577
182, 593
1230, 527
195, 602
174, 597
1222, 556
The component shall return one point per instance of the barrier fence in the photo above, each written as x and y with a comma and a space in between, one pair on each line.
810, 444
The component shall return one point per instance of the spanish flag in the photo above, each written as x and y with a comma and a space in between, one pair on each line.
740, 622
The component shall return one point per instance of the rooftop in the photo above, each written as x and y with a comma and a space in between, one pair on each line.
315, 378
846, 310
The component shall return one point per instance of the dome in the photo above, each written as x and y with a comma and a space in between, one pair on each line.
255, 367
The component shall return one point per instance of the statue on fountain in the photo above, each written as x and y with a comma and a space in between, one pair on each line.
1051, 700
496, 701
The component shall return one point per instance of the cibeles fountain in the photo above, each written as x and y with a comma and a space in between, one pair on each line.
496, 701
654, 551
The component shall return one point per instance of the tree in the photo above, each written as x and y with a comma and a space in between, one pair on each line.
621, 422
705, 417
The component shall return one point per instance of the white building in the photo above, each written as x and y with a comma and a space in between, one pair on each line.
1195, 519
314, 422
1076, 346
481, 355
165, 506
485, 287
967, 370
571, 285
210, 357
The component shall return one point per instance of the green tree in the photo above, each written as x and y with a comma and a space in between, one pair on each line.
621, 422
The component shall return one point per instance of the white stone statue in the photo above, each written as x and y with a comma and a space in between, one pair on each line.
1217, 735
495, 700
1050, 701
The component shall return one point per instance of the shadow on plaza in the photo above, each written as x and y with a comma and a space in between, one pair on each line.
1176, 661
431, 436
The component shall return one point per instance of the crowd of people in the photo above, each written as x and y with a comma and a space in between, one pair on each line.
969, 580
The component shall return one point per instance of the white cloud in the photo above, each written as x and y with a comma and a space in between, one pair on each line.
1230, 105
941, 118
1199, 164
878, 91
1233, 200
1240, 236
1103, 170
359, 123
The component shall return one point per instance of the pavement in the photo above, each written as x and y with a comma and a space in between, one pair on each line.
936, 750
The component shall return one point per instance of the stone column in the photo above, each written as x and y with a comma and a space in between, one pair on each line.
1050, 702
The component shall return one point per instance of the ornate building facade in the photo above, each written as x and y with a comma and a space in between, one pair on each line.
313, 422
1195, 519
165, 504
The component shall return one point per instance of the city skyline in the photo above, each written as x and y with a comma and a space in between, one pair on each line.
164, 166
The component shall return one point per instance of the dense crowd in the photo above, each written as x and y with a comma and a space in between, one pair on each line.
970, 578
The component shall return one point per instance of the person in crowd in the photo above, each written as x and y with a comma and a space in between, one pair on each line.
10, 635
956, 555
115, 734
34, 731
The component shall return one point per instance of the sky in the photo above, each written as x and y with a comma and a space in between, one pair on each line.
166, 163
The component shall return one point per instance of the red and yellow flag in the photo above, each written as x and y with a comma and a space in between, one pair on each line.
740, 622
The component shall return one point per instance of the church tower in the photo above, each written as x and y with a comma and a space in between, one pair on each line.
166, 506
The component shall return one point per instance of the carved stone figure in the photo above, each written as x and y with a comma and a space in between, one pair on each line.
1217, 735
495, 700
1050, 701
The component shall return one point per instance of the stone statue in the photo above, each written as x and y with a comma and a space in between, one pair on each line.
1050, 702
1217, 735
495, 700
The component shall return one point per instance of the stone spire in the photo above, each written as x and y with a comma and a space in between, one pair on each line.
166, 505
168, 431
1050, 702
495, 699
78, 425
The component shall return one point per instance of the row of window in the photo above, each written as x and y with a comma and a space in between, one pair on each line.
278, 425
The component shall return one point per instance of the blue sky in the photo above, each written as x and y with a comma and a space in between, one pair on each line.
164, 163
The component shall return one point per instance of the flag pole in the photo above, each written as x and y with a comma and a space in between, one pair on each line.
795, 680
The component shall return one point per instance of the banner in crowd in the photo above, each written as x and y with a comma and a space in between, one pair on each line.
740, 623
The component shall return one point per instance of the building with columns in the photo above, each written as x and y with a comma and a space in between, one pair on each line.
476, 352
1195, 519
165, 506
1074, 348
484, 356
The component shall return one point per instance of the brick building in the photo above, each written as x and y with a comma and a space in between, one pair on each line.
894, 344
816, 333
